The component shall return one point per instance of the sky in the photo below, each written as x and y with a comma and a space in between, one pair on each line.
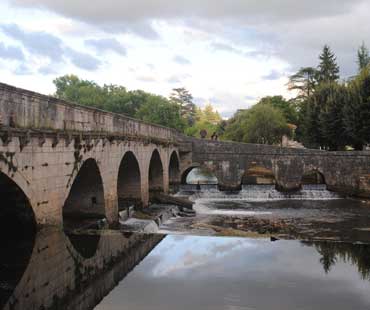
230, 53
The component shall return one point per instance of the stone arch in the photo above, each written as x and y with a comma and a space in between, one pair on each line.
86, 196
313, 176
174, 172
156, 180
16, 210
201, 171
129, 182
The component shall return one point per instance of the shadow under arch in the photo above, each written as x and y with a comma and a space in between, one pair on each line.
174, 172
313, 176
17, 235
129, 182
155, 174
85, 203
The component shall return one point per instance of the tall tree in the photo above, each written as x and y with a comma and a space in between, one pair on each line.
285, 106
357, 110
304, 81
363, 57
261, 124
184, 99
328, 69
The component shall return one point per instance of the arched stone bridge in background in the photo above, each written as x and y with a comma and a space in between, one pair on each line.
64, 160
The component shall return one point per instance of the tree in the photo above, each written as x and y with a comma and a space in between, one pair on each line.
184, 99
357, 110
286, 107
161, 111
328, 70
335, 97
363, 58
262, 124
117, 99
207, 119
304, 81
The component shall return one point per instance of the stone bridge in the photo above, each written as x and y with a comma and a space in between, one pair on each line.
63, 160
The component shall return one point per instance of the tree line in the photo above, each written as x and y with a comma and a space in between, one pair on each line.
327, 113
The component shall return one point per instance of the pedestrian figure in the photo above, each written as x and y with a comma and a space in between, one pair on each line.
213, 137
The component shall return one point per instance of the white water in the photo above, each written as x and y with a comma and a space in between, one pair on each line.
256, 193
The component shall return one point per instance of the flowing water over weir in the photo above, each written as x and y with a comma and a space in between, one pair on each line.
259, 193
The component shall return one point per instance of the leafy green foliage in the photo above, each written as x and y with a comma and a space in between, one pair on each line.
205, 119
183, 98
159, 110
263, 124
117, 99
286, 107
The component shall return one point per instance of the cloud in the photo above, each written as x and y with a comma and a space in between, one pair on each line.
176, 79
22, 69
292, 30
48, 70
83, 60
37, 43
146, 78
181, 60
11, 52
273, 75
50, 46
104, 45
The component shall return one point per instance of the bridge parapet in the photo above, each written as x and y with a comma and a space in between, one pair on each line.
25, 109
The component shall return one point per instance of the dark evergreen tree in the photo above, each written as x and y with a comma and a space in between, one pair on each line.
363, 58
304, 81
357, 110
328, 70
333, 131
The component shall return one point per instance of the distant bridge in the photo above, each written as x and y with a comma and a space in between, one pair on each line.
65, 160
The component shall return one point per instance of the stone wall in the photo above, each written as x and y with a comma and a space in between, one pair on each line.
346, 172
25, 109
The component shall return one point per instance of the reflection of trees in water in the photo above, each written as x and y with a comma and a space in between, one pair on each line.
354, 254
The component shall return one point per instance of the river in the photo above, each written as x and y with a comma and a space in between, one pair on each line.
253, 249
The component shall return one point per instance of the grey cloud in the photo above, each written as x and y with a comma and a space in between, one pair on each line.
146, 78
22, 69
11, 52
49, 46
293, 30
273, 75
103, 45
112, 12
175, 79
83, 60
181, 60
39, 43
48, 70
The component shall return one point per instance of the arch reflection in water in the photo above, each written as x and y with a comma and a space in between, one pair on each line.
17, 233
59, 277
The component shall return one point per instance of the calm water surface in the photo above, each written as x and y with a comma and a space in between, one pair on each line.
185, 272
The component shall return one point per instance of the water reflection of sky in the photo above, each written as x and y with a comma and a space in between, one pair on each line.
232, 273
